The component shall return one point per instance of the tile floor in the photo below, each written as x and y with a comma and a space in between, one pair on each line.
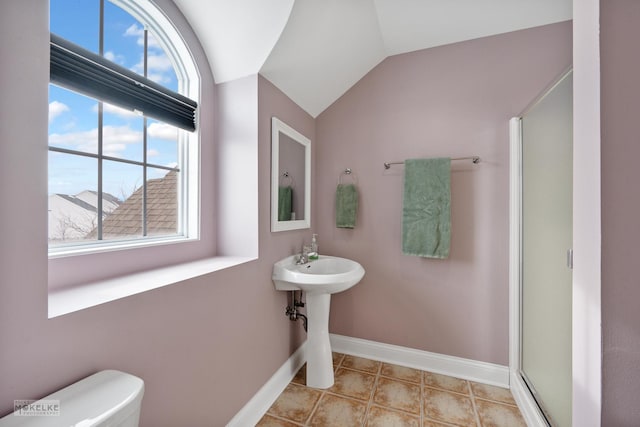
375, 394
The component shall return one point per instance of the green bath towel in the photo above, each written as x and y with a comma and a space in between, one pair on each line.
426, 210
346, 205
285, 197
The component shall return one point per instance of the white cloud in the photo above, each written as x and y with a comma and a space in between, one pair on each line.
136, 31
55, 109
162, 131
113, 148
153, 153
118, 59
159, 78
159, 68
115, 139
83, 141
158, 62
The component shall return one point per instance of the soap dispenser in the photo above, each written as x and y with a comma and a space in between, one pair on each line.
314, 247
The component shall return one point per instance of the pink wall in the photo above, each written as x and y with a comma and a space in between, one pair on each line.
194, 343
455, 101
620, 92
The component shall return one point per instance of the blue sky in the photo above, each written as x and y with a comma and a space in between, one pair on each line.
73, 118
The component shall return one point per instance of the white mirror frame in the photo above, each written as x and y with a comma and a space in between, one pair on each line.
278, 126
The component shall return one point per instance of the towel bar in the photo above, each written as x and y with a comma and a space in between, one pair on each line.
474, 160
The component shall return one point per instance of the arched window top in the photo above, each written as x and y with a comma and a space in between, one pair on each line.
123, 24
170, 40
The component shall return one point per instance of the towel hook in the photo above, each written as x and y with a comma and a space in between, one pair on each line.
350, 173
286, 175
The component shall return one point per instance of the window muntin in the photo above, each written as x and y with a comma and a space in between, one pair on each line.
134, 162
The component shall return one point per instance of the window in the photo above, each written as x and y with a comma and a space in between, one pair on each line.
123, 149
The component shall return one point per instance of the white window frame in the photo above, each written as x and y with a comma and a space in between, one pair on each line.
188, 77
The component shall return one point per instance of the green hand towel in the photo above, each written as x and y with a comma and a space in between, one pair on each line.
346, 205
285, 197
426, 211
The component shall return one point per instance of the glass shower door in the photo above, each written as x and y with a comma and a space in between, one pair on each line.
546, 239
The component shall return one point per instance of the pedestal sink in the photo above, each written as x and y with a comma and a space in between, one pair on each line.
318, 279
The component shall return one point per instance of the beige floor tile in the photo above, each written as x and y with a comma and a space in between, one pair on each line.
449, 407
489, 392
446, 382
269, 421
398, 395
393, 395
498, 415
295, 403
432, 423
401, 373
360, 364
353, 384
338, 411
337, 359
301, 376
384, 417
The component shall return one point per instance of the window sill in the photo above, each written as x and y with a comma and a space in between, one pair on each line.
78, 298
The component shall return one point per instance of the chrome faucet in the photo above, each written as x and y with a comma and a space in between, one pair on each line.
303, 258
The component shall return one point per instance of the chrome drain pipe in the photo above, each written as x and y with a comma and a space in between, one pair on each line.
292, 310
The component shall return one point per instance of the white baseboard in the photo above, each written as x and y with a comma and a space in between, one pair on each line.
260, 403
482, 372
528, 407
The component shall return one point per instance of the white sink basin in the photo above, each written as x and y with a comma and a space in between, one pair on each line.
318, 279
326, 275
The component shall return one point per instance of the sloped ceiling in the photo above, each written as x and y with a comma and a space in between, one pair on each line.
236, 35
315, 50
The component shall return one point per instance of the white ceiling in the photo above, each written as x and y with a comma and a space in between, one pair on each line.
315, 50
236, 35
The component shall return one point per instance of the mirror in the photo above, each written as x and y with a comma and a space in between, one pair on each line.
290, 178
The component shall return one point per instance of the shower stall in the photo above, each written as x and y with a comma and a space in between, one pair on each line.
541, 256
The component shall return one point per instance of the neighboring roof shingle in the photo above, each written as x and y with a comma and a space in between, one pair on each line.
162, 211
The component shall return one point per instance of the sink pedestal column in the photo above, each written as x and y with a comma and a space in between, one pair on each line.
319, 358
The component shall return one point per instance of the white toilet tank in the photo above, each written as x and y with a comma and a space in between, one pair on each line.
106, 399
